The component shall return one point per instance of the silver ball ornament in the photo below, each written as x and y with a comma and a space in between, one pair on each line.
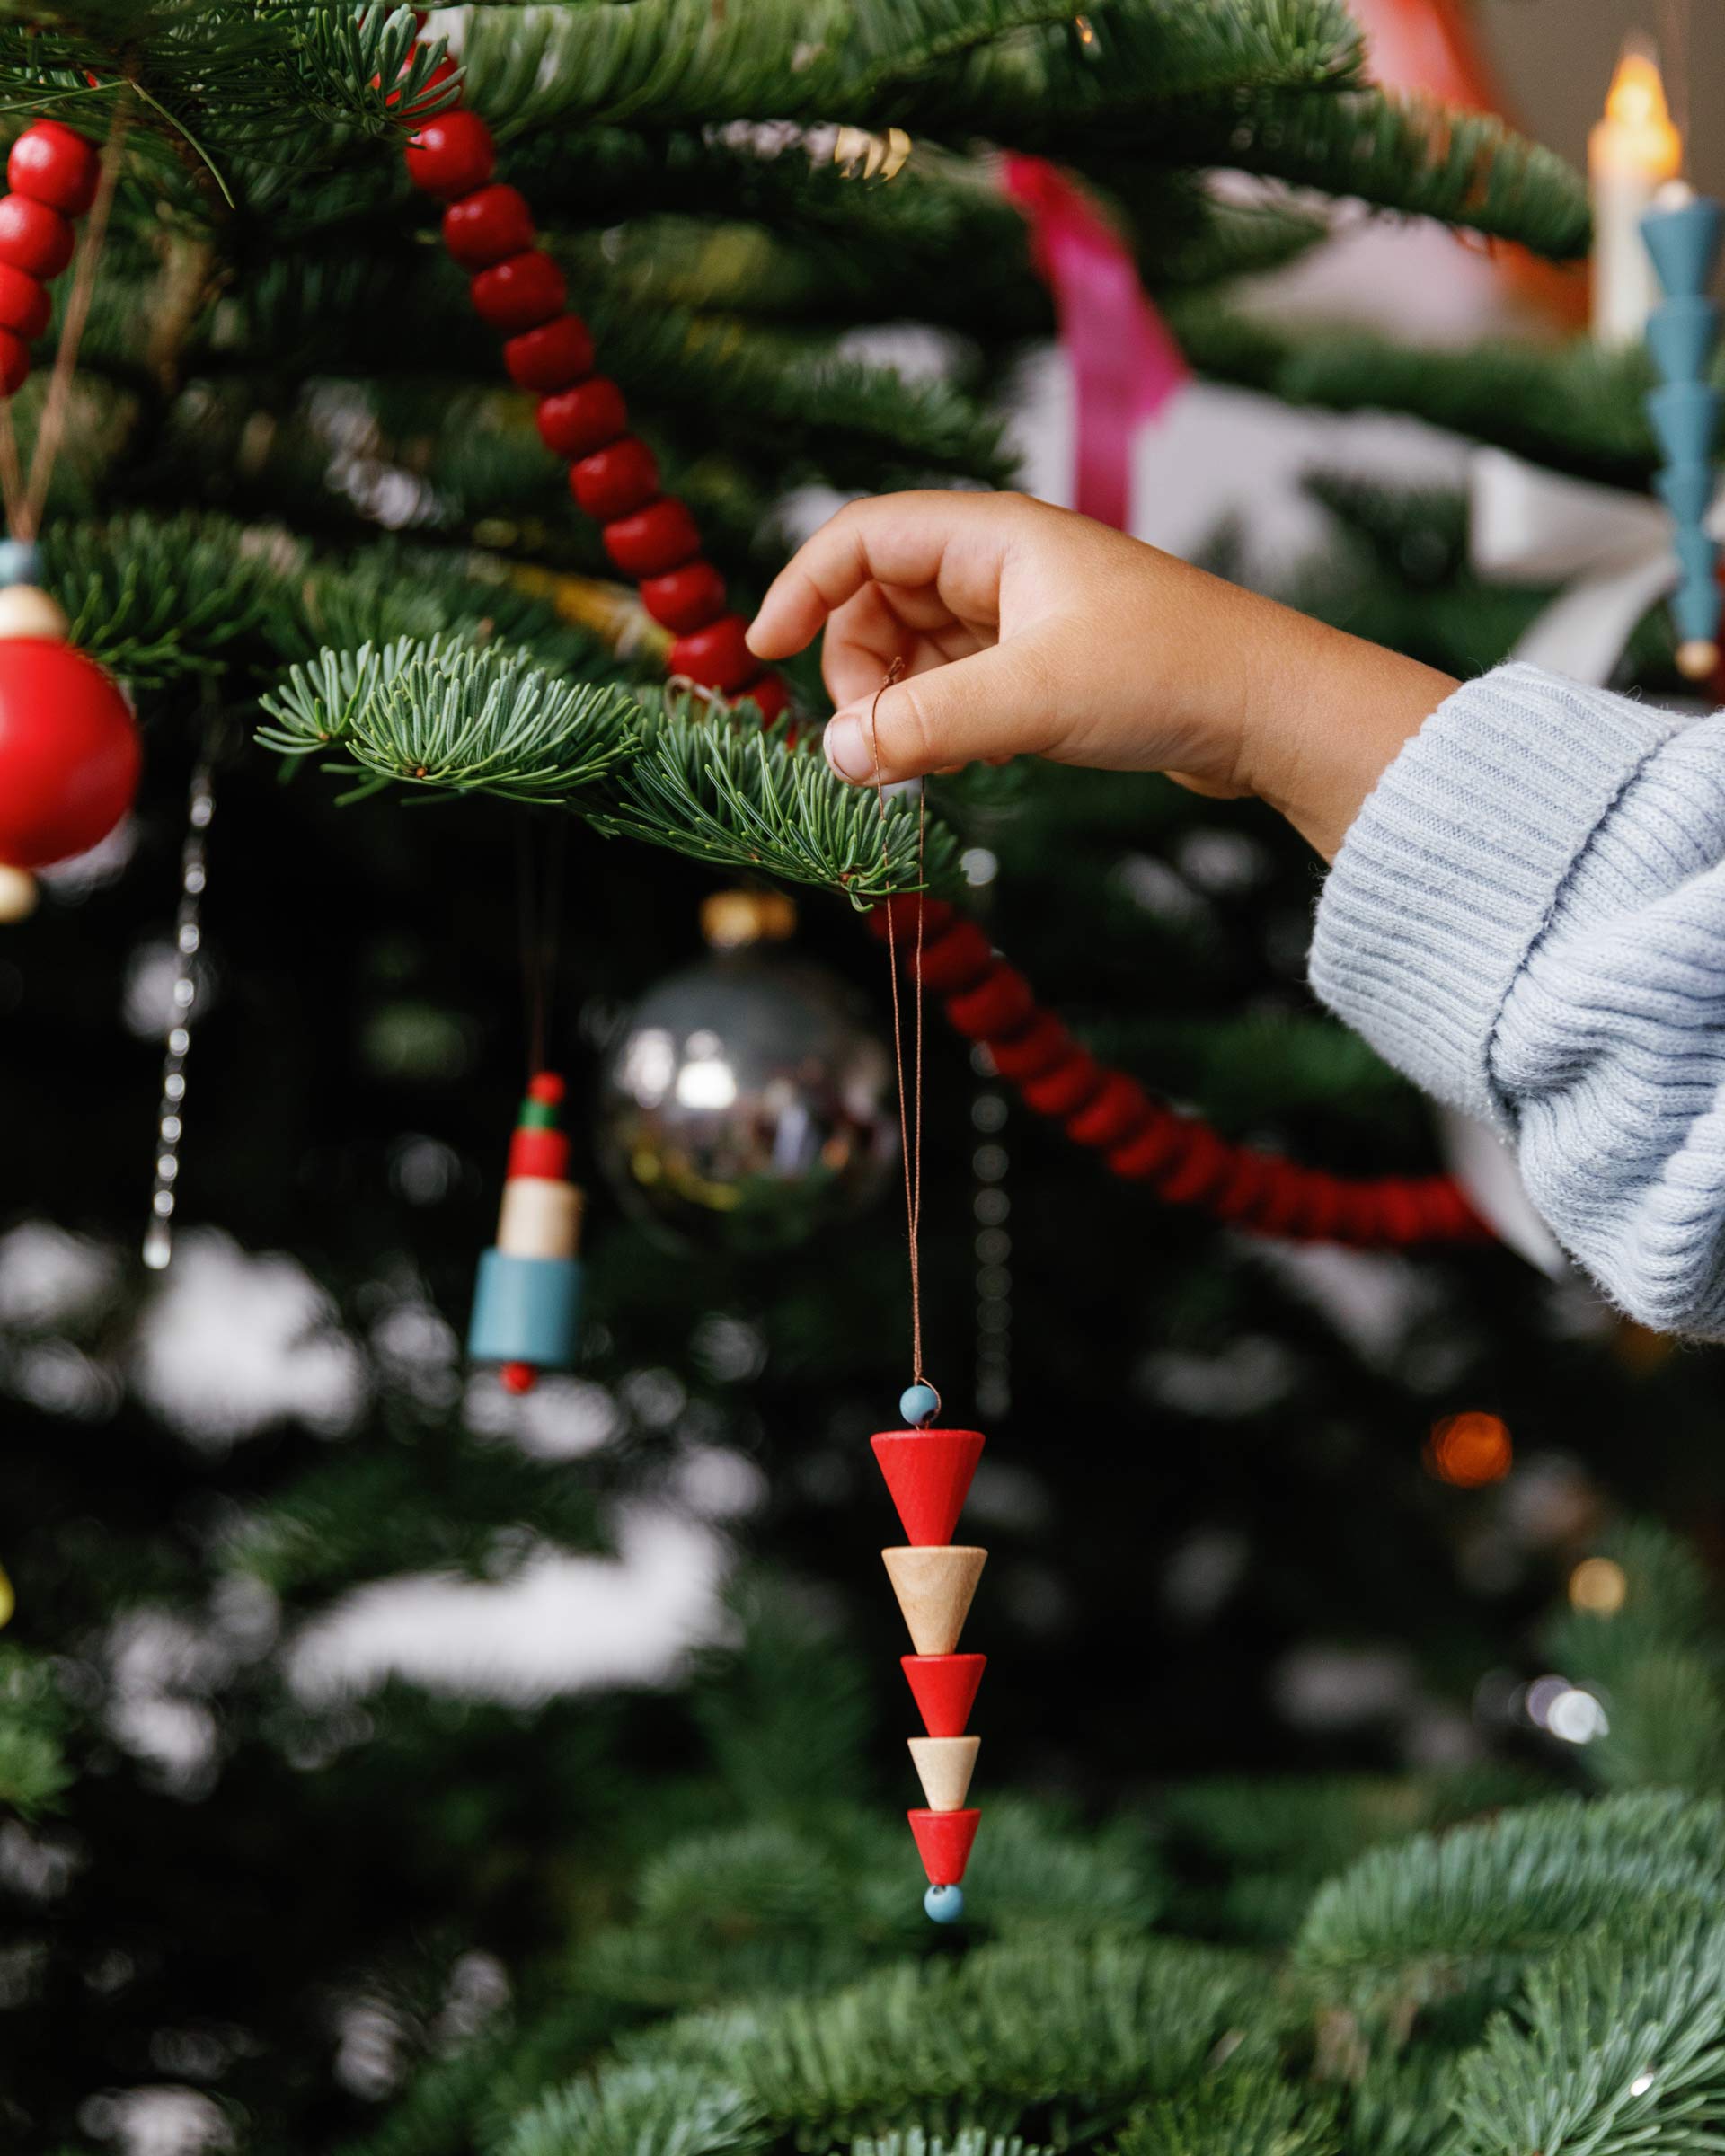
747, 1104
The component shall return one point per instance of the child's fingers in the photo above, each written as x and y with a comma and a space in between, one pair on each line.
876, 626
895, 539
992, 705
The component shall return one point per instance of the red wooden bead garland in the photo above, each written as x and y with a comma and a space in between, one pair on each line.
685, 599
613, 480
523, 292
24, 302
53, 163
488, 226
34, 237
658, 538
657, 544
451, 155
716, 656
14, 363
551, 356
574, 423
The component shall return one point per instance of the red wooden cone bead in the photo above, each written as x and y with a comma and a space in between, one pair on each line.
69, 753
488, 226
1033, 1052
34, 237
544, 1153
14, 363
451, 155
24, 304
523, 293
716, 656
1000, 1003
943, 1842
689, 598
953, 960
574, 423
658, 538
945, 1689
613, 482
928, 1472
53, 164
1066, 1087
551, 356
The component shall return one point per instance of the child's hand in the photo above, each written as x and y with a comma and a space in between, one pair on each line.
1024, 629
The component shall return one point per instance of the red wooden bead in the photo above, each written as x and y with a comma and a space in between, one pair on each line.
24, 303
487, 226
549, 1087
945, 1689
14, 363
517, 1377
658, 538
69, 752
928, 1472
51, 163
1117, 1108
688, 598
1001, 1003
943, 1842
901, 912
34, 237
523, 293
1033, 1052
1066, 1087
1198, 1166
770, 695
451, 155
551, 356
1148, 1151
577, 421
716, 656
954, 960
613, 480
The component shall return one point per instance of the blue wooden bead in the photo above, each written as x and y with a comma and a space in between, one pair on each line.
20, 563
918, 1404
945, 1904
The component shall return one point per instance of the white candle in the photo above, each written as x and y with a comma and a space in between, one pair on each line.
1631, 154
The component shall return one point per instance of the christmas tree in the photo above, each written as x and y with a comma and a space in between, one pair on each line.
280, 1872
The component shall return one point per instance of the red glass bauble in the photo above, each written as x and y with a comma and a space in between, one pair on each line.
69, 753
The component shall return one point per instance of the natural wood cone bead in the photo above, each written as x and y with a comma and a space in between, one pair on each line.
935, 1586
944, 1766
24, 611
1696, 660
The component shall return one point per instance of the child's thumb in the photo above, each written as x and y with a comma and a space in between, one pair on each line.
986, 705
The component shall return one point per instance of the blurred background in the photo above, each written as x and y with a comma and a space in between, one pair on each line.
285, 1573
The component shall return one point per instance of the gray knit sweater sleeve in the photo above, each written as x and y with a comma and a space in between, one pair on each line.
1528, 918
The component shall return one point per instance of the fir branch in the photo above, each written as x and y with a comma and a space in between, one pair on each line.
1618, 2049
746, 796
1239, 2112
640, 2111
1519, 1885
446, 715
33, 1720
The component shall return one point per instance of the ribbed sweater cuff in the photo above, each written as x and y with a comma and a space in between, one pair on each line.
1451, 869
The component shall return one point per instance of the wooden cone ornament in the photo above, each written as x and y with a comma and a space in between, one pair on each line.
928, 1472
528, 1299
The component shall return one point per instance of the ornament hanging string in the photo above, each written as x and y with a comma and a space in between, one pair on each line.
25, 499
910, 1131
540, 884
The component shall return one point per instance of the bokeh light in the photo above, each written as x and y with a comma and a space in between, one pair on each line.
1470, 1450
1598, 1585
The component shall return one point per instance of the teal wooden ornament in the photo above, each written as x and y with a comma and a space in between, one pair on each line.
526, 1309
1687, 491
944, 1904
1683, 242
1685, 415
1681, 336
1698, 553
1695, 610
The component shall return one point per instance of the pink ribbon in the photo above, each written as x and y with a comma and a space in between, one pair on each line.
1125, 363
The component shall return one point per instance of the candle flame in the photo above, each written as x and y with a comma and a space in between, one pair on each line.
1637, 94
